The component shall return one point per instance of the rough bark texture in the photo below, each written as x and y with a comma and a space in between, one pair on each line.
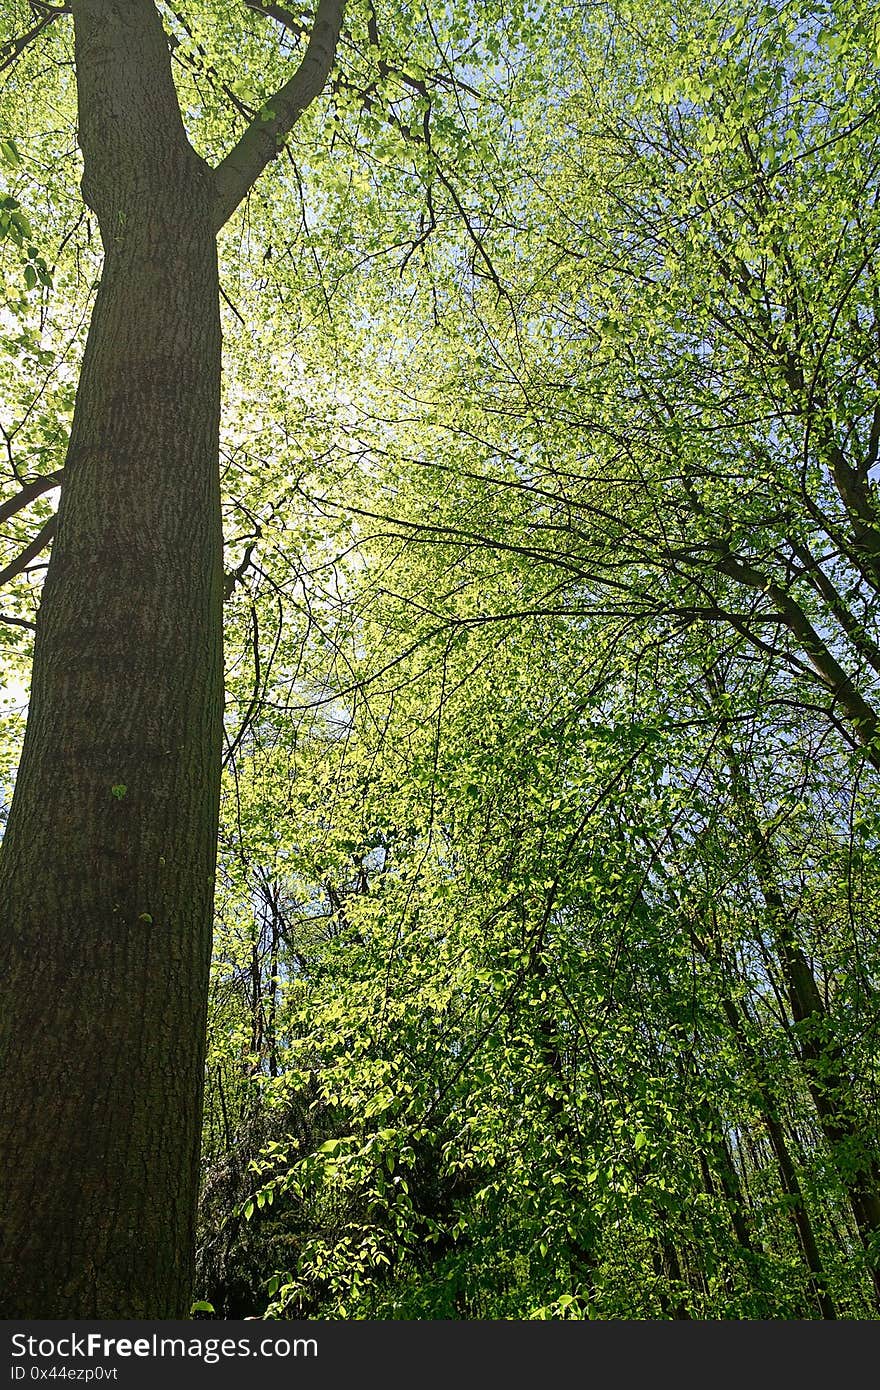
106, 869
107, 865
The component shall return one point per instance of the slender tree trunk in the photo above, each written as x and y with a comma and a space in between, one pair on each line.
824, 1063
106, 870
579, 1245
733, 1193
788, 1173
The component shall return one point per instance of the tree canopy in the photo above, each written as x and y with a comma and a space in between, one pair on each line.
545, 966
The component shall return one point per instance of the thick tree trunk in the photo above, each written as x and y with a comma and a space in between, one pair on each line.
106, 869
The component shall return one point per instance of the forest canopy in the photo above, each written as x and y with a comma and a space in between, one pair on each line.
545, 963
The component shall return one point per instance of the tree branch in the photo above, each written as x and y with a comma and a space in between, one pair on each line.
207, 67
277, 12
12, 50
29, 491
856, 631
264, 138
233, 577
861, 715
21, 562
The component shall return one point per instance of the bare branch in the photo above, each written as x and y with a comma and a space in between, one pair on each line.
264, 138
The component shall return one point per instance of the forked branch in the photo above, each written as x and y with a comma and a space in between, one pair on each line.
264, 138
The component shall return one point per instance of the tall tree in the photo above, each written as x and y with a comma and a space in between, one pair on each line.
107, 866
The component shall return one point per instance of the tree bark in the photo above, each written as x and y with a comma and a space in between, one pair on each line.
791, 1186
107, 866
826, 1072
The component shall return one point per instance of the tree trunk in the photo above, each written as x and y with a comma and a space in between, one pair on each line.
791, 1186
107, 866
825, 1067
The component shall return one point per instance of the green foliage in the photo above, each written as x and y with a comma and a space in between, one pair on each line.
545, 966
